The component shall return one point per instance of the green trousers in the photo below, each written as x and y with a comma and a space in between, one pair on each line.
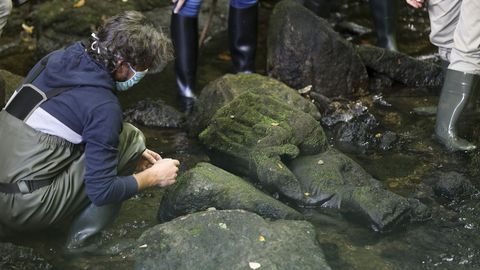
28, 154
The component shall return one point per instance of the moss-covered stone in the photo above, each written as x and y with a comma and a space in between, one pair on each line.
254, 133
223, 90
208, 186
229, 239
334, 180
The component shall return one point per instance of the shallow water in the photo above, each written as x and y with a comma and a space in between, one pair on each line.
449, 240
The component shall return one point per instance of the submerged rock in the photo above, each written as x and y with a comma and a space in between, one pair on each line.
58, 23
254, 134
207, 186
152, 113
18, 257
451, 185
223, 90
304, 50
334, 180
229, 239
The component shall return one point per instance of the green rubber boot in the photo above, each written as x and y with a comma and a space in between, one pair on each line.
91, 221
457, 88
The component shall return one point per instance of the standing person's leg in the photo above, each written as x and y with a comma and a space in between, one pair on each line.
462, 76
5, 10
385, 19
93, 219
242, 34
184, 34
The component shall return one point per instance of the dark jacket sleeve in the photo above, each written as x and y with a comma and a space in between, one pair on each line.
101, 137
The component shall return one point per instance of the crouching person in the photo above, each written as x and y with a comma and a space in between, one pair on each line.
65, 151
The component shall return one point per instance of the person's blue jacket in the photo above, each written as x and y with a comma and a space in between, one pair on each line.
88, 113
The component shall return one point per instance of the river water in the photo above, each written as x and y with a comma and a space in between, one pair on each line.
450, 240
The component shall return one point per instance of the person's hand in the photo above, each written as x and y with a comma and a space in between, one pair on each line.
178, 6
162, 173
416, 3
147, 159
165, 172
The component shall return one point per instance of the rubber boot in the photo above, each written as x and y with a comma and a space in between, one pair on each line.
457, 89
184, 33
91, 221
242, 35
385, 17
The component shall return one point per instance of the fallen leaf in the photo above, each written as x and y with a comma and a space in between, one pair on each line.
224, 57
79, 4
222, 225
261, 238
27, 28
275, 124
307, 194
320, 162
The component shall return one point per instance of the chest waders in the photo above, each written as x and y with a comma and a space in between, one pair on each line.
41, 175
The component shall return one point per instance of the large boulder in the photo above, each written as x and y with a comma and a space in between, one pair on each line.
304, 50
334, 180
208, 186
255, 133
223, 90
18, 257
229, 239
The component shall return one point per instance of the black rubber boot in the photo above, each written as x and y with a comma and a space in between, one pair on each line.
385, 17
457, 89
242, 35
184, 33
91, 221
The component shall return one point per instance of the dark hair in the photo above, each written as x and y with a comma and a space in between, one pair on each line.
132, 37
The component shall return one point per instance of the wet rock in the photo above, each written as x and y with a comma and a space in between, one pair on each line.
18, 257
154, 113
207, 186
59, 24
254, 134
450, 185
221, 91
401, 67
11, 82
333, 180
379, 82
304, 50
229, 239
354, 129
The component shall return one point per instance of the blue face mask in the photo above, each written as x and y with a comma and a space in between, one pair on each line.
137, 76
